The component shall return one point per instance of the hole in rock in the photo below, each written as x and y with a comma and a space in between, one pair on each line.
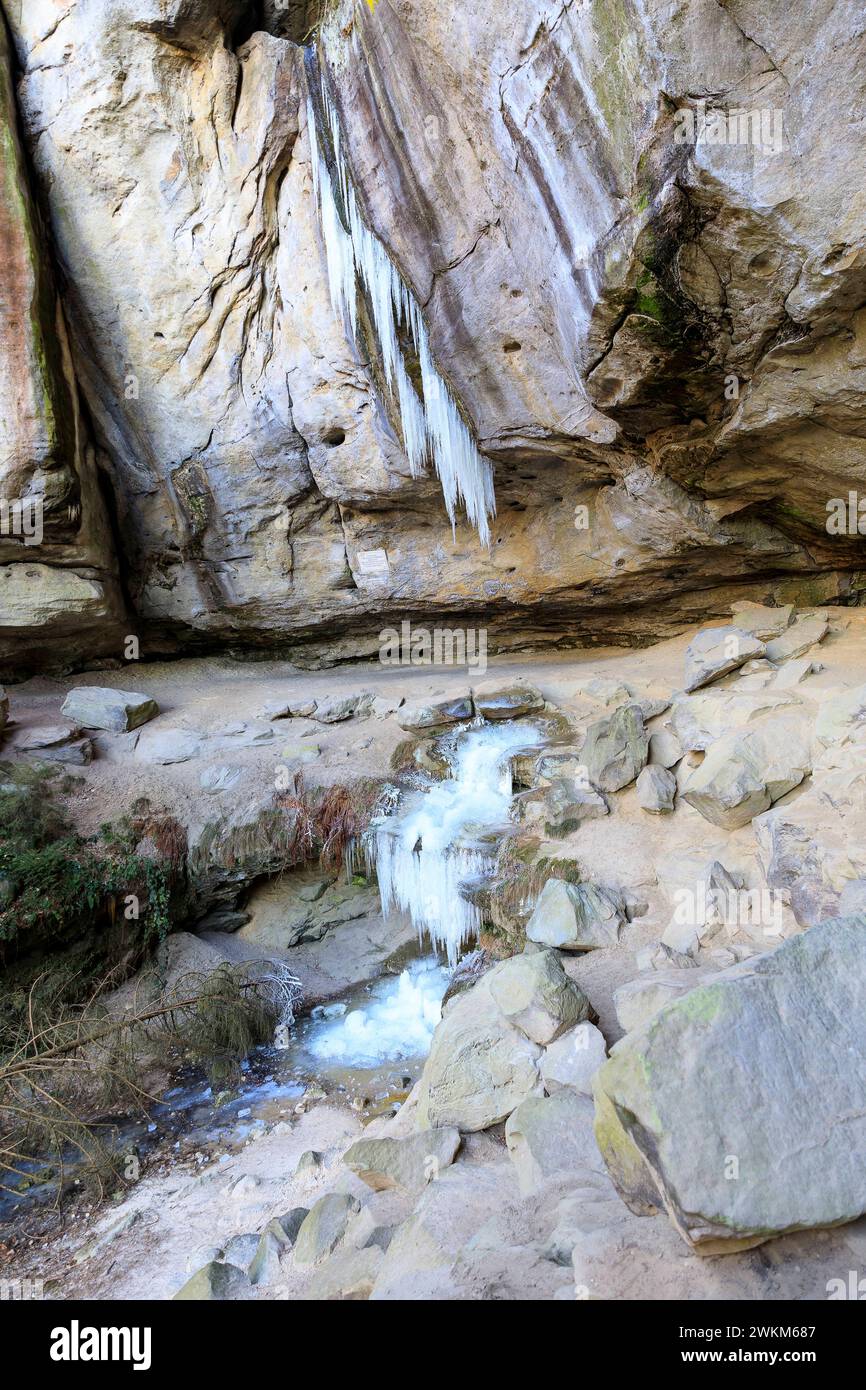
511, 347
334, 437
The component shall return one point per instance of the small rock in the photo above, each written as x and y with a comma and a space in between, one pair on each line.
350, 1274
309, 1162
215, 1283
220, 779
656, 789
274, 1244
339, 708
324, 1227
716, 651
241, 1250
800, 636
761, 621
166, 746
432, 716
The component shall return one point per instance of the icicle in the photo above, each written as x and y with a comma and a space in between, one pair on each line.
429, 849
433, 426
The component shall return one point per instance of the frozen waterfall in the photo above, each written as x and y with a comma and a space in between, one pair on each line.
433, 426
434, 844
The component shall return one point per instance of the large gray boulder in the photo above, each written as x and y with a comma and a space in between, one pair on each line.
745, 772
576, 916
716, 651
535, 995
480, 1065
615, 749
741, 1108
547, 1135
98, 707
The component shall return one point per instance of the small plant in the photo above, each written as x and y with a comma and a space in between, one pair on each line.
57, 886
327, 822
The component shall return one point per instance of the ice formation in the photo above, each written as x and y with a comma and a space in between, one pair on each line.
432, 427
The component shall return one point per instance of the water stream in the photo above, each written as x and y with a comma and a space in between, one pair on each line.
444, 837
367, 1047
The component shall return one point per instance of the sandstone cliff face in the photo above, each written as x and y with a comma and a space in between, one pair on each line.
58, 585
658, 342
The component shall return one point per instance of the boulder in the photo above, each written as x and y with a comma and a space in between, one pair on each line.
480, 1066
795, 672
716, 651
842, 717
274, 1244
665, 749
324, 1227
741, 1108
573, 1059
214, 1283
699, 719
575, 916
496, 701
341, 707
97, 707
408, 1164
435, 715
241, 1251
547, 1135
799, 637
656, 789
615, 748
536, 996
745, 772
761, 621
637, 1000
350, 1274
56, 743
561, 806
166, 746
